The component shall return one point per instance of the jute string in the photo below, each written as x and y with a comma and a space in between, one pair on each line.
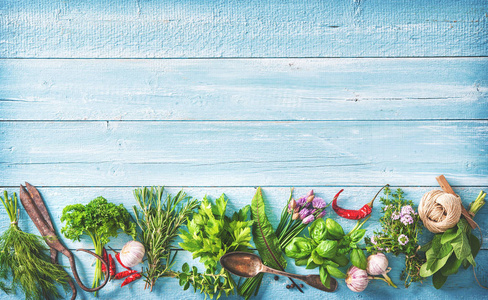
439, 210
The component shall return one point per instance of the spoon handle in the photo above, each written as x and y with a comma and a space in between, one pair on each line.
311, 280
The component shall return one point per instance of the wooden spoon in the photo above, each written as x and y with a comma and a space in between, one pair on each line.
247, 265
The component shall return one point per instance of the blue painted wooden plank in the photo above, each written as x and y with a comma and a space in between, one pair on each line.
150, 29
243, 153
353, 197
255, 89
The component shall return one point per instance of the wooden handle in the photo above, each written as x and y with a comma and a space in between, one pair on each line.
446, 187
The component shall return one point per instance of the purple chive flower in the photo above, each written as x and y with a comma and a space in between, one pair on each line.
387, 249
305, 212
407, 219
395, 215
301, 201
308, 219
379, 248
403, 239
318, 203
373, 240
407, 210
322, 214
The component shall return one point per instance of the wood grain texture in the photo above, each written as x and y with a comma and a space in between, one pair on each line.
243, 153
274, 89
214, 29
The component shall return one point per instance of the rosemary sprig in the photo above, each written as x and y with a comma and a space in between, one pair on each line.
24, 260
158, 221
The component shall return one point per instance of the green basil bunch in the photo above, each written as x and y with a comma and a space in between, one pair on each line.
328, 248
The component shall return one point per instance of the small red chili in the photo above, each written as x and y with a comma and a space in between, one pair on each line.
354, 214
105, 259
117, 256
111, 264
131, 278
125, 274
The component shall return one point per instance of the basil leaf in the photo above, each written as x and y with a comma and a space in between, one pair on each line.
318, 230
317, 259
358, 259
438, 280
325, 277
334, 272
334, 230
341, 260
301, 261
299, 247
327, 249
357, 235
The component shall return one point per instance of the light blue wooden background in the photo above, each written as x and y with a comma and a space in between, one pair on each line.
95, 99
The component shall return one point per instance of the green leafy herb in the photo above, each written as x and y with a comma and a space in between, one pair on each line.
328, 249
295, 217
447, 251
24, 260
158, 221
209, 235
399, 235
100, 220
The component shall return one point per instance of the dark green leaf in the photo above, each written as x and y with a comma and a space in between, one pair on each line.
445, 250
475, 245
436, 266
451, 267
264, 236
438, 280
341, 260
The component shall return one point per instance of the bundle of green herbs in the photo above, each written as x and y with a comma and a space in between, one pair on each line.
24, 260
447, 251
295, 217
328, 248
209, 235
399, 234
100, 220
158, 221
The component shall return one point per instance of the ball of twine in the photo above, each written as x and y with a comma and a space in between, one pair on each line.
439, 210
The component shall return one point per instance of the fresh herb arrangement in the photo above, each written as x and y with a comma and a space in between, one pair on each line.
100, 220
158, 220
24, 260
400, 230
209, 235
295, 217
449, 250
328, 249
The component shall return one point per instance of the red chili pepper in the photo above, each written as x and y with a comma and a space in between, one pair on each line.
105, 259
117, 256
354, 214
111, 264
131, 278
125, 274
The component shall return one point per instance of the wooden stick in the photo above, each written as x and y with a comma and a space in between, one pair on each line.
446, 187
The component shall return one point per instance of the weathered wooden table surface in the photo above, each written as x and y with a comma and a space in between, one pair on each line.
96, 99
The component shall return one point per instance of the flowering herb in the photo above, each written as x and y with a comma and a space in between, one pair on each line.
295, 216
400, 229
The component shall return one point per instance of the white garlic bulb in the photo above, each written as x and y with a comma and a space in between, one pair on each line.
132, 254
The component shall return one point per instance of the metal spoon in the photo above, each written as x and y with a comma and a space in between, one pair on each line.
249, 265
